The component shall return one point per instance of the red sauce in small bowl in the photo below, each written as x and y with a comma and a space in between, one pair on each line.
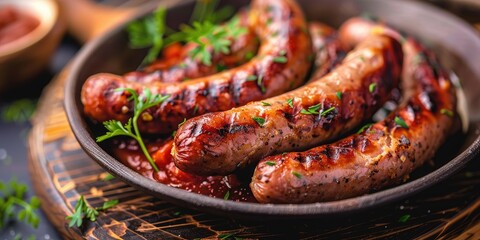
15, 24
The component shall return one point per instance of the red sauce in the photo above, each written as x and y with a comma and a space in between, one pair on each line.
14, 24
129, 153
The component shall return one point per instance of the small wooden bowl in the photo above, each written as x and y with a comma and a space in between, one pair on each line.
456, 43
24, 57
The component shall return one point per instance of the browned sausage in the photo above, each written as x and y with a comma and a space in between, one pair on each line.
327, 49
177, 65
219, 143
280, 65
383, 154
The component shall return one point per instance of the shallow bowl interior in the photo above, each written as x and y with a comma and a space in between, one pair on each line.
454, 41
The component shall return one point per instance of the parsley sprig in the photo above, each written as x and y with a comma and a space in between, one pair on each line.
115, 127
210, 37
207, 36
13, 203
84, 210
148, 32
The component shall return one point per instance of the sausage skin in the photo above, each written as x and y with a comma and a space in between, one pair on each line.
280, 65
219, 143
381, 155
327, 48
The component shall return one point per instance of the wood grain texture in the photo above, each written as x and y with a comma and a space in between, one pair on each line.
61, 172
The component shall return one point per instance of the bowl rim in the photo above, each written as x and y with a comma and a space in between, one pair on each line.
45, 11
244, 209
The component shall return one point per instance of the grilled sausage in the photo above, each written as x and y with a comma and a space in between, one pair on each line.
219, 143
177, 65
327, 49
280, 65
381, 155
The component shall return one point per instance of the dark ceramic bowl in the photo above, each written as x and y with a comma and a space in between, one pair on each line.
455, 42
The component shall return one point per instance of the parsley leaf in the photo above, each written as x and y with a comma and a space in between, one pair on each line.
148, 32
12, 202
339, 95
290, 102
84, 210
404, 218
323, 113
400, 122
227, 195
259, 120
296, 174
266, 104
151, 31
311, 110
362, 129
270, 163
446, 112
115, 127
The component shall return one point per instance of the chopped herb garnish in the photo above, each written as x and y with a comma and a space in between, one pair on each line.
224, 236
311, 110
296, 174
274, 34
116, 128
269, 21
280, 59
290, 102
108, 177
227, 195
182, 65
323, 113
282, 52
362, 58
249, 56
220, 67
252, 78
177, 213
183, 122
260, 83
84, 210
372, 87
400, 122
364, 127
195, 109
404, 218
265, 104
259, 80
259, 120
339, 95
447, 112
269, 163
13, 203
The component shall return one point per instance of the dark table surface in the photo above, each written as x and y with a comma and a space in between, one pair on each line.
14, 128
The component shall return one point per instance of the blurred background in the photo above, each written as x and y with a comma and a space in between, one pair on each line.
47, 38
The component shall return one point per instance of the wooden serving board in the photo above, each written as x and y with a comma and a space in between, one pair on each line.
61, 172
